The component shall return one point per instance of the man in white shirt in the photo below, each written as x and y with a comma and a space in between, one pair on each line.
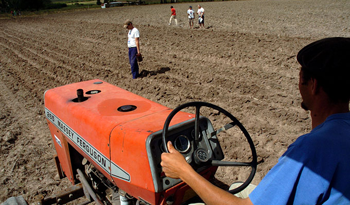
134, 47
190, 14
200, 13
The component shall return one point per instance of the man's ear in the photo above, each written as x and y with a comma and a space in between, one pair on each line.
315, 87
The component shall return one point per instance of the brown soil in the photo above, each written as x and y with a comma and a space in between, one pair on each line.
244, 61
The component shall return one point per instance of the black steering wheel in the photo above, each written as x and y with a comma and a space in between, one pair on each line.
197, 157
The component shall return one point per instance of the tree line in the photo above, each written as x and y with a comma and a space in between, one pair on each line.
6, 5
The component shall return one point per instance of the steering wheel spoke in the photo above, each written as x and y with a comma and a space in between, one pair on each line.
196, 124
227, 163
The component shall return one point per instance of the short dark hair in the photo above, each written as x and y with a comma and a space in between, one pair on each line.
328, 61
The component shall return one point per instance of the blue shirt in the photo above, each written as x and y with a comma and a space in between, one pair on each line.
314, 170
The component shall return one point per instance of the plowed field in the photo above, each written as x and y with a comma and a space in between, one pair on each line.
244, 61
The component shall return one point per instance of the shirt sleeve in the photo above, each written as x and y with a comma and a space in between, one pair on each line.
291, 181
276, 187
137, 33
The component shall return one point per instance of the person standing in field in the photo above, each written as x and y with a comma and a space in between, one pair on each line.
200, 13
173, 15
134, 47
191, 16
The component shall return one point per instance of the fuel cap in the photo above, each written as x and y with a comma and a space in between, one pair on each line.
126, 108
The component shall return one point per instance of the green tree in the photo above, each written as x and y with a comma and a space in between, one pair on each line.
3, 5
26, 4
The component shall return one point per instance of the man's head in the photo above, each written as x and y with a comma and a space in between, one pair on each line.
171, 7
199, 6
327, 61
190, 7
127, 24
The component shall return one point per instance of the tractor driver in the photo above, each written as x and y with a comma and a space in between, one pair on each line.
315, 168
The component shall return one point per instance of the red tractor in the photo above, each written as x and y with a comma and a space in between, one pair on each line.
109, 143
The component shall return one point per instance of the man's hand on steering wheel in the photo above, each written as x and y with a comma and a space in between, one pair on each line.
173, 163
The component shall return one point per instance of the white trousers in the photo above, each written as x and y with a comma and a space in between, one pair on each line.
173, 17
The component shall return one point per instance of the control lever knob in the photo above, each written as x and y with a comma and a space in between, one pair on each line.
80, 94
